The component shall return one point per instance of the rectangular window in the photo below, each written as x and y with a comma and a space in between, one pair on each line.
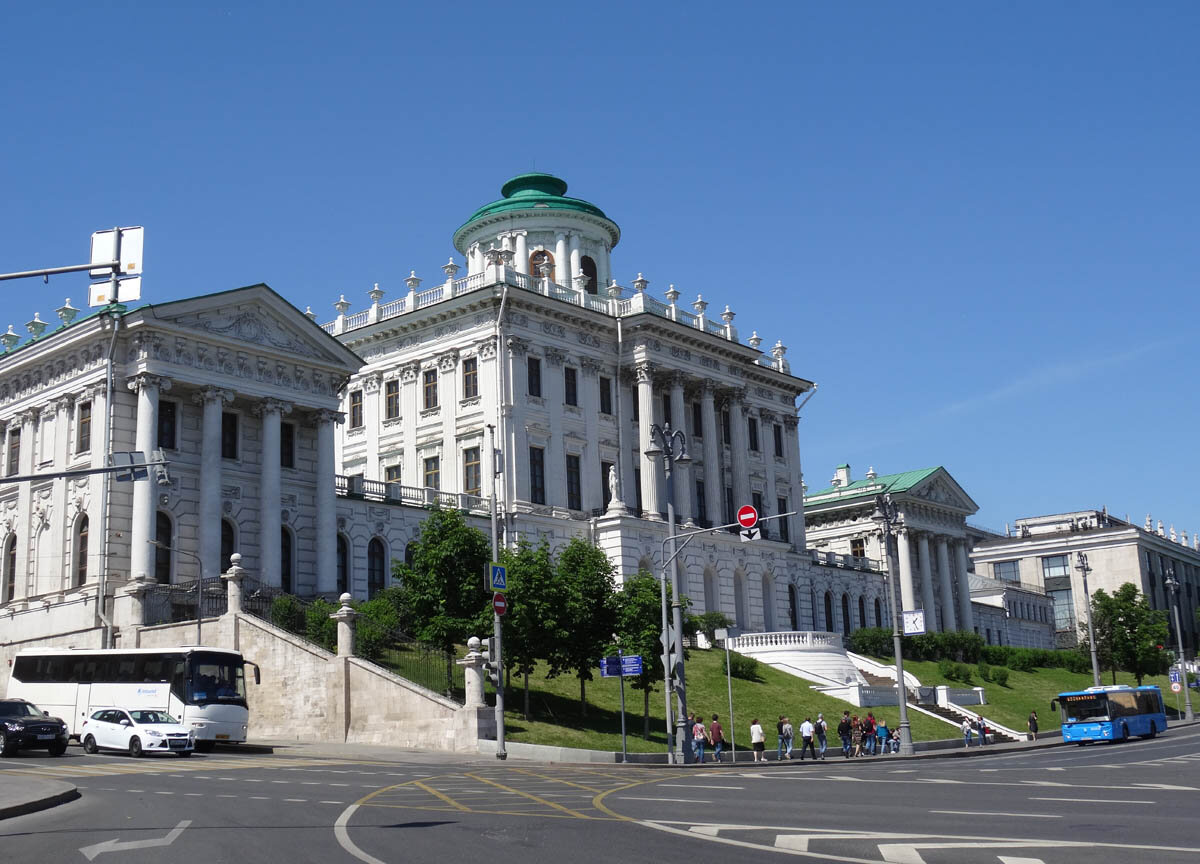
287, 445
1056, 565
392, 473
752, 429
606, 406
701, 504
1064, 610
472, 476
697, 421
637, 488
570, 386
1009, 571
726, 431
778, 440
14, 465
858, 547
168, 415
574, 491
533, 368
470, 381
356, 409
757, 500
433, 472
785, 530
391, 399
229, 435
537, 475
83, 429
429, 384
605, 468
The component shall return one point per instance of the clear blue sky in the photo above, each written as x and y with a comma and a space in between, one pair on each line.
974, 224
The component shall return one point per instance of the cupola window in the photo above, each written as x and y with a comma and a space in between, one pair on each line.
539, 259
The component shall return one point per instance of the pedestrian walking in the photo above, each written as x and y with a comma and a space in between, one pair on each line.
806, 739
758, 741
1033, 726
966, 730
882, 736
843, 730
779, 746
789, 735
982, 731
822, 730
869, 734
716, 738
699, 737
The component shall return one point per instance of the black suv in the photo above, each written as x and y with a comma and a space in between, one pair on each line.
23, 725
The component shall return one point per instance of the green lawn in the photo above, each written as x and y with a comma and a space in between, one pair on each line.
556, 720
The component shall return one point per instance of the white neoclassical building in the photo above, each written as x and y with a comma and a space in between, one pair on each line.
314, 449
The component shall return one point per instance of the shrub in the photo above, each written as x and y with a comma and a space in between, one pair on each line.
709, 623
741, 666
319, 627
1000, 676
375, 627
287, 612
946, 669
1022, 660
985, 671
872, 641
1077, 662
962, 672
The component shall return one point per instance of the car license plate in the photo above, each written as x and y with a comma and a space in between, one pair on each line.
45, 737
222, 737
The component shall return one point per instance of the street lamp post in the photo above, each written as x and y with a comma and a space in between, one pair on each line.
1173, 584
199, 584
671, 445
1081, 560
885, 517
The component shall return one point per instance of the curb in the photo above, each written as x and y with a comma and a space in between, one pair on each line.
62, 796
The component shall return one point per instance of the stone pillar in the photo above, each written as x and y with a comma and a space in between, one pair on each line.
410, 412
927, 602
650, 469
212, 400
627, 441
771, 504
448, 383
554, 392
945, 578
714, 477
791, 441
908, 593
561, 263
522, 253
603, 267
591, 483
326, 505
97, 483
345, 626
62, 539
473, 674
966, 616
737, 449
681, 473
233, 584
141, 553
371, 385
270, 411
576, 258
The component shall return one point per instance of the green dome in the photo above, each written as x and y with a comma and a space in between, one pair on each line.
533, 191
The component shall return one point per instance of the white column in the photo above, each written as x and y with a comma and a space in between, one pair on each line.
575, 258
522, 253
629, 441
603, 269
517, 460
141, 553
561, 264
326, 501
24, 524
908, 593
966, 617
714, 479
592, 485
451, 464
371, 385
927, 603
766, 434
649, 467
681, 473
213, 400
97, 483
738, 446
61, 531
410, 412
949, 621
791, 440
271, 411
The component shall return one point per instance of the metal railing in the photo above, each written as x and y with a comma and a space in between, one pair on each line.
427, 665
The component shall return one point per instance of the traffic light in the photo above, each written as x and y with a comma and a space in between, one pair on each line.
490, 664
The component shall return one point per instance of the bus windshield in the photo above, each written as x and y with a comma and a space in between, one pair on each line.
1083, 707
216, 678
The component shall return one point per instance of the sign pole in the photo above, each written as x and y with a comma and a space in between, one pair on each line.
624, 748
501, 753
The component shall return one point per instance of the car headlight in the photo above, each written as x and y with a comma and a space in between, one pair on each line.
154, 733
13, 727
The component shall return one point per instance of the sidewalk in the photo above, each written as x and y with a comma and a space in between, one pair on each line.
21, 795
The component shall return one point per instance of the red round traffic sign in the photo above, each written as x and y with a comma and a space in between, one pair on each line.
499, 604
747, 516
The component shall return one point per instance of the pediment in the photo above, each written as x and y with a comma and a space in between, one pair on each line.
942, 489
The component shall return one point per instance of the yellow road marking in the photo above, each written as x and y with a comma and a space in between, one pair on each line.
557, 780
436, 794
530, 796
598, 801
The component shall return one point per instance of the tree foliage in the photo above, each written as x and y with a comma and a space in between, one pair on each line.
535, 623
639, 627
588, 581
1135, 633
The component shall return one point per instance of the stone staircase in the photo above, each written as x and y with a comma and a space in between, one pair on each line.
954, 717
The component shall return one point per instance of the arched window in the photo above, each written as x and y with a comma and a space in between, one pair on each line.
81, 550
539, 259
376, 562
829, 612
739, 600
285, 559
794, 607
228, 541
10, 568
162, 552
711, 600
878, 613
343, 565
862, 611
588, 266
846, 614
768, 600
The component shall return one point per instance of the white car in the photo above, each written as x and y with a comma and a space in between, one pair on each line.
136, 731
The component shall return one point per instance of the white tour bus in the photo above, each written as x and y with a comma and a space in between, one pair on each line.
204, 688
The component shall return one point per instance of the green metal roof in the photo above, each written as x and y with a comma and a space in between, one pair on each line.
536, 190
890, 482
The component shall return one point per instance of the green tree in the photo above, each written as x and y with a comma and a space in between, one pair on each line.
588, 578
1134, 632
535, 621
639, 626
1105, 615
442, 592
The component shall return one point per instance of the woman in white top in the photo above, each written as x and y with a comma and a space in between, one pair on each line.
758, 740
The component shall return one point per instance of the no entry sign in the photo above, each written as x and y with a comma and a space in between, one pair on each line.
499, 604
747, 516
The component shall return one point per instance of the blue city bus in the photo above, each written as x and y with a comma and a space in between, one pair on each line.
1111, 713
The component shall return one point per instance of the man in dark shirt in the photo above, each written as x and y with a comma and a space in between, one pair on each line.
844, 733
718, 738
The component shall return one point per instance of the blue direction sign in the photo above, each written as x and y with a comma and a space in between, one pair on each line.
612, 667
1174, 675
497, 578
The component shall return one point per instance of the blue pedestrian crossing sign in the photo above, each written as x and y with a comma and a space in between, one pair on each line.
497, 578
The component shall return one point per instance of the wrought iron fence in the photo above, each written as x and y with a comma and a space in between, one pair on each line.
172, 604
427, 665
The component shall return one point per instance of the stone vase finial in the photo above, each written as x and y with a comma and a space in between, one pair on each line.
342, 305
376, 294
66, 313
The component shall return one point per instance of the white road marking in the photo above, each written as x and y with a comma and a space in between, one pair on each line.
1166, 786
297, 800
996, 813
337, 784
329, 802
260, 798
670, 800
1010, 859
115, 845
343, 837
226, 796
693, 786
1095, 800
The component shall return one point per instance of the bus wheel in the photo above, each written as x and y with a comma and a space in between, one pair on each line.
135, 747
89, 745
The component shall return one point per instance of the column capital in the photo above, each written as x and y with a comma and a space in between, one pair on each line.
708, 388
737, 395
486, 348
590, 366
371, 382
517, 345
409, 371
448, 360
213, 394
272, 406
146, 381
790, 421
677, 378
325, 416
644, 373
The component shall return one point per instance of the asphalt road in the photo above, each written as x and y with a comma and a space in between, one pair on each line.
1097, 804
